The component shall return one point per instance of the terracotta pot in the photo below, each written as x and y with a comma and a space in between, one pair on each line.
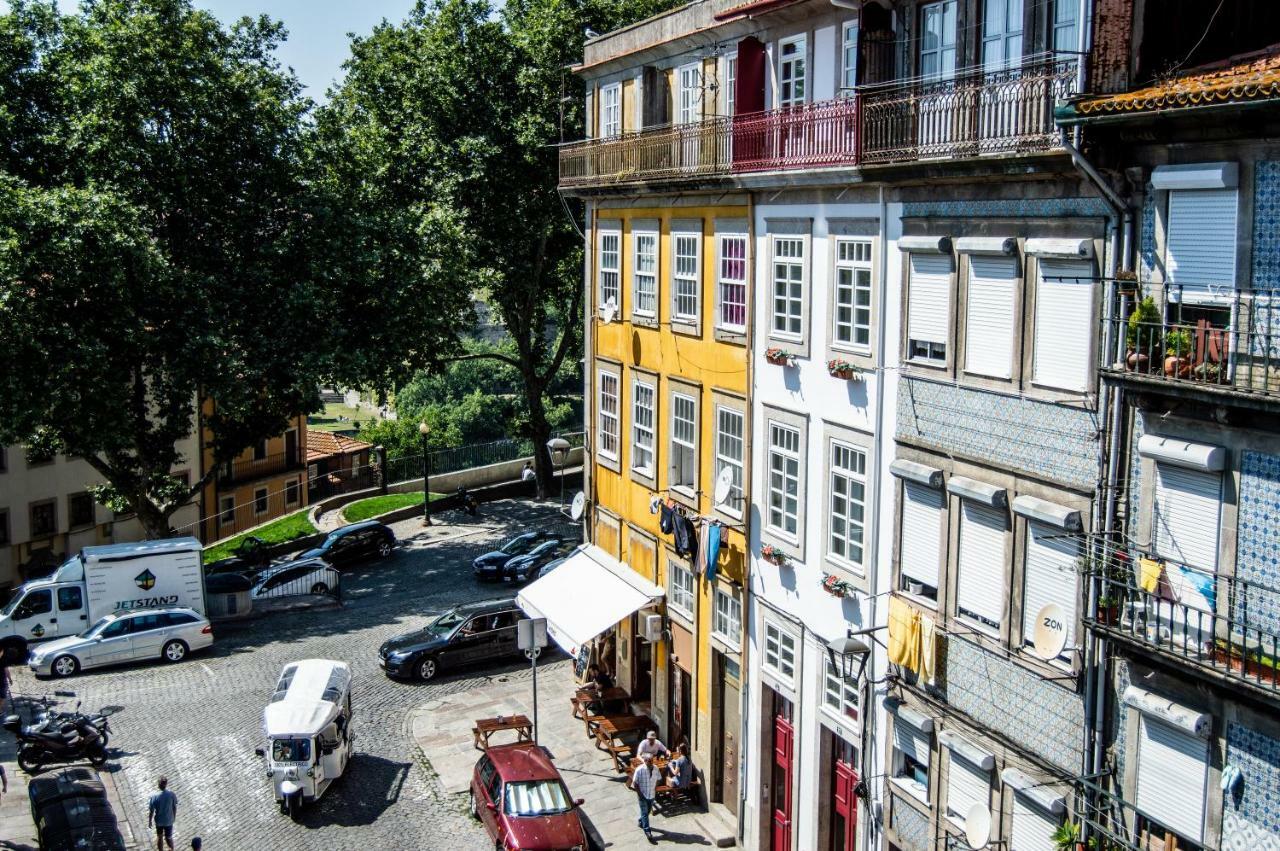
1109, 614
1176, 367
782, 361
844, 374
1137, 362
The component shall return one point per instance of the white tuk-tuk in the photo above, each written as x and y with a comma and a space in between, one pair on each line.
307, 726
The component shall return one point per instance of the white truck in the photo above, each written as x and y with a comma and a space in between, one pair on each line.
99, 581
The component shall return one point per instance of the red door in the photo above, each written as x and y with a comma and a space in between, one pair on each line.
783, 752
846, 820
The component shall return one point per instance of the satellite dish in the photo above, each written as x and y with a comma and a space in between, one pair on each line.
608, 311
1050, 634
977, 826
724, 486
579, 505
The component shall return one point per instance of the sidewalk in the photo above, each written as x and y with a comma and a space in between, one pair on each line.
442, 730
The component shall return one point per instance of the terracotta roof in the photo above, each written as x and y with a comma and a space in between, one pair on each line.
321, 444
1249, 78
752, 7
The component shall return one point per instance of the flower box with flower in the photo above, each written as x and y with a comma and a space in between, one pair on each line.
842, 369
835, 586
771, 553
779, 356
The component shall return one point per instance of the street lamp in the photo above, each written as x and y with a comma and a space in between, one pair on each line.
424, 430
849, 655
559, 449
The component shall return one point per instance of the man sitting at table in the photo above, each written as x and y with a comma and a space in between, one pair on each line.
651, 746
598, 681
681, 768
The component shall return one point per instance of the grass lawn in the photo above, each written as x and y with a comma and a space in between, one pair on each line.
327, 420
363, 509
287, 528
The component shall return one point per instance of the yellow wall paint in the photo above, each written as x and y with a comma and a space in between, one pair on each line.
628, 105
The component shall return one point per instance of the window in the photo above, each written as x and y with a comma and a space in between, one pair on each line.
260, 501
1063, 352
35, 603
726, 619
1033, 828
980, 582
918, 552
784, 480
848, 503
608, 437
988, 341
4, 526
938, 40
684, 442
44, 519
1049, 577
611, 110
642, 413
1201, 240
1185, 515
4, 459
644, 273
1001, 34
682, 588
779, 650
80, 510
732, 284
911, 760
967, 784
730, 82
70, 598
730, 430
690, 93
260, 451
791, 71
839, 696
610, 259
852, 314
849, 59
928, 307
226, 510
1172, 784
684, 276
788, 287
1065, 34
292, 489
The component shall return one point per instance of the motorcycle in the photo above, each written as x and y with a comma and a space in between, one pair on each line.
468, 502
67, 743
50, 720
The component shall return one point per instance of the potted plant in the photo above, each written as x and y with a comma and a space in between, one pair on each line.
835, 586
1143, 335
770, 553
1067, 837
842, 369
779, 356
1177, 353
1127, 283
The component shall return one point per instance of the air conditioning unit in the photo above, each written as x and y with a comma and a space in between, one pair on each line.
652, 628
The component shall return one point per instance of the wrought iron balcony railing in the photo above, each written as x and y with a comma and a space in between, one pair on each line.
254, 468
1111, 823
1225, 340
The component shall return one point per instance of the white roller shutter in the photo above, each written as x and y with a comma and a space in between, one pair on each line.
988, 340
929, 299
1050, 577
1032, 827
921, 533
1202, 239
967, 784
910, 741
1185, 516
981, 578
1173, 770
1064, 325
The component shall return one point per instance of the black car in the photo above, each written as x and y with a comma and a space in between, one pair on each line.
464, 635
528, 567
489, 565
355, 543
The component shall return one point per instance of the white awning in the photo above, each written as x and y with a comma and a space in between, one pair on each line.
586, 595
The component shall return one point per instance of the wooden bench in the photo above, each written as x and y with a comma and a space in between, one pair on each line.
622, 754
486, 727
689, 793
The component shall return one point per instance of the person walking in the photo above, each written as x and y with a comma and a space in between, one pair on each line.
163, 810
644, 780
196, 843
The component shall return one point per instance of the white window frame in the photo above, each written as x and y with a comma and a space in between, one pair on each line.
1169, 517
296, 484
1198, 288
726, 617
611, 110
792, 303
850, 478
686, 282
734, 504
1002, 48
610, 268
726, 283
1065, 36
730, 83
907, 548
970, 564
226, 511
779, 657
266, 501
684, 589
1158, 804
788, 64
1065, 552
848, 58
977, 775
683, 403
644, 435
644, 268
609, 416
688, 89
782, 459
991, 316
1051, 366
852, 255
923, 349
839, 697
944, 52
899, 775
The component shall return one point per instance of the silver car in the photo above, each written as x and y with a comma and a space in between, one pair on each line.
168, 634
303, 576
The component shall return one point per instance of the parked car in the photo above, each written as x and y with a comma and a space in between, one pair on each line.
248, 557
353, 544
302, 576
529, 566
518, 795
169, 634
464, 635
489, 565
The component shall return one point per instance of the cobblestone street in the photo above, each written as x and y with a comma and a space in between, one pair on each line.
198, 722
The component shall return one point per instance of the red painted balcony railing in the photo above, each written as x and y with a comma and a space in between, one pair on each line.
810, 135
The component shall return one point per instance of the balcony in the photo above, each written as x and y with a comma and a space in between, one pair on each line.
1111, 823
1219, 342
234, 472
1217, 625
1003, 112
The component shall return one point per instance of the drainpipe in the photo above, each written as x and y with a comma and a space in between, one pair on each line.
744, 692
588, 367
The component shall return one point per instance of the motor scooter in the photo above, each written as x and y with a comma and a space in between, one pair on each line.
468, 502
38, 747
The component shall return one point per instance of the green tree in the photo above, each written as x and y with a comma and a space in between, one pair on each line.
154, 243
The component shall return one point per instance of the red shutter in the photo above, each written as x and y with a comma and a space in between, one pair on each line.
783, 744
846, 800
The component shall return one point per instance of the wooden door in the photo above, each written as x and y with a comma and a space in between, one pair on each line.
783, 753
845, 821
730, 728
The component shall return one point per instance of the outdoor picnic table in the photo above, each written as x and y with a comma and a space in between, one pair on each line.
486, 727
611, 727
609, 696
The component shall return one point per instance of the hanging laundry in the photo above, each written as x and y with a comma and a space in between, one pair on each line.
928, 649
712, 537
904, 634
1149, 574
700, 559
686, 536
667, 521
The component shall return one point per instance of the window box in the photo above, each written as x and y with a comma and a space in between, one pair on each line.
770, 553
842, 369
779, 356
836, 587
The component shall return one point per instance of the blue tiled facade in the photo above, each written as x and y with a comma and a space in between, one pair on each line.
1266, 225
1258, 541
1020, 208
912, 828
1023, 706
1053, 442
1147, 239
1251, 816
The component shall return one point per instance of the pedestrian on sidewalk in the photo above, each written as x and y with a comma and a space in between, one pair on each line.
163, 810
196, 843
644, 780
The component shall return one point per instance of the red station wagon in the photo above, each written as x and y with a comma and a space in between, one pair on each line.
517, 793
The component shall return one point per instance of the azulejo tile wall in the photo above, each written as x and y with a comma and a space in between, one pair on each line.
1028, 709
912, 828
1147, 239
1258, 541
1251, 816
1053, 442
1266, 225
1019, 208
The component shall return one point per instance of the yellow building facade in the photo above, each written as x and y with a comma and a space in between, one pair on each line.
669, 372
264, 482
